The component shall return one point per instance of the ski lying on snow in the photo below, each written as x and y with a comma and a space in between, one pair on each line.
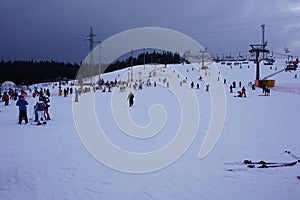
278, 165
250, 162
265, 165
262, 162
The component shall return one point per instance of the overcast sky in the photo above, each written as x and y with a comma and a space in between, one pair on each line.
56, 29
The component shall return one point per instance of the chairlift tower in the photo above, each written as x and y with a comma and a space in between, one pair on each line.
257, 49
263, 38
204, 57
202, 52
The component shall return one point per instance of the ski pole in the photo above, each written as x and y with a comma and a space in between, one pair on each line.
293, 155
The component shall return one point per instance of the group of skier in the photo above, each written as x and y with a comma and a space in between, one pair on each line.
241, 93
41, 113
9, 95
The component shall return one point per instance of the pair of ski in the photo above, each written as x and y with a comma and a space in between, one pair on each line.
264, 164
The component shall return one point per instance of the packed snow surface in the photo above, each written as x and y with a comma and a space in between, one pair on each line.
51, 162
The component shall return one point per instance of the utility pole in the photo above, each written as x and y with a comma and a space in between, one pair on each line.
131, 66
90, 39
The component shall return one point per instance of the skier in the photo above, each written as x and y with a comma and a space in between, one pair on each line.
192, 84
234, 84
130, 98
231, 89
207, 88
267, 91
240, 94
76, 95
48, 92
244, 92
47, 105
22, 103
40, 106
5, 98
23, 94
65, 92
263, 88
35, 112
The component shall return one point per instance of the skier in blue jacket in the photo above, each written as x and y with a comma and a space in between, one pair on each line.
22, 103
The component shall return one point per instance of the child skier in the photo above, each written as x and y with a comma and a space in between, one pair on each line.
40, 106
22, 103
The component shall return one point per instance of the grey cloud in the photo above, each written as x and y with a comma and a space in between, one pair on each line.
56, 29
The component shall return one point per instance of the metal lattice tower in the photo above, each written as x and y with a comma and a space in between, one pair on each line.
258, 49
90, 39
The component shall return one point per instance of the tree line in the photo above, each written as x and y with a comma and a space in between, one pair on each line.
158, 57
31, 72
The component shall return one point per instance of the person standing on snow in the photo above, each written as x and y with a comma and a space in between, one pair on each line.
192, 84
48, 92
5, 98
244, 92
231, 89
130, 98
40, 106
22, 103
47, 105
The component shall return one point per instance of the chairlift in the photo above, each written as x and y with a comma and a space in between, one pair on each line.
269, 61
291, 65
